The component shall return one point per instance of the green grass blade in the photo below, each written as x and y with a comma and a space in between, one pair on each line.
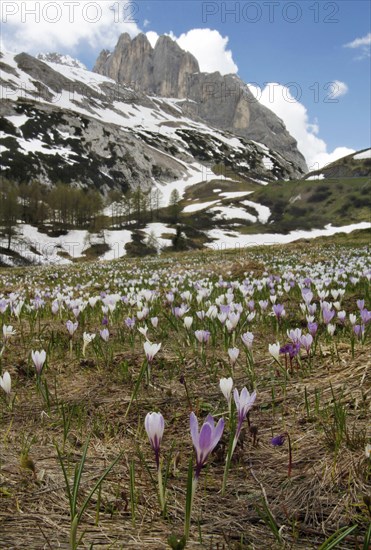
367, 541
136, 387
145, 465
78, 474
67, 483
337, 537
100, 480
266, 515
189, 499
132, 491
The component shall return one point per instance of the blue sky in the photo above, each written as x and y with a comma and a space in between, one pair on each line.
318, 52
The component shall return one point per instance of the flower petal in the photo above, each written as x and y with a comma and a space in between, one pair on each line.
193, 424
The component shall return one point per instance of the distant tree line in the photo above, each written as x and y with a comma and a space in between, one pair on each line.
62, 207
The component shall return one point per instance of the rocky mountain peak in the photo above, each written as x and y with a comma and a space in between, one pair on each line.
223, 101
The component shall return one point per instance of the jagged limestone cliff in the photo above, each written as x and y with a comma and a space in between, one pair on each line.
222, 101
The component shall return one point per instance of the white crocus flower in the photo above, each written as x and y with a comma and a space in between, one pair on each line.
274, 350
151, 350
226, 385
87, 337
38, 358
233, 354
8, 332
188, 322
5, 382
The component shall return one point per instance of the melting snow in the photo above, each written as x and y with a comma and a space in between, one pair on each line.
235, 194
116, 240
231, 212
233, 239
157, 230
268, 164
263, 211
200, 206
363, 155
17, 121
316, 177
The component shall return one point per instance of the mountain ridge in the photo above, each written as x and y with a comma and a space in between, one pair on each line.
65, 123
224, 102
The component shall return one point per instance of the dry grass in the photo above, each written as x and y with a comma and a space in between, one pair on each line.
325, 491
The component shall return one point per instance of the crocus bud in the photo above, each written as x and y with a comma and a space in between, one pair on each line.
5, 382
226, 385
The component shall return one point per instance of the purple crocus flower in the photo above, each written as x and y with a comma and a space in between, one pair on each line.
285, 349
225, 308
180, 311
71, 327
278, 440
279, 311
360, 304
205, 440
306, 341
104, 334
202, 336
327, 315
313, 327
341, 316
365, 316
130, 322
291, 349
359, 331
154, 424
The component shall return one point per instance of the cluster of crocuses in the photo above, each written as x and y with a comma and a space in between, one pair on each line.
204, 439
298, 341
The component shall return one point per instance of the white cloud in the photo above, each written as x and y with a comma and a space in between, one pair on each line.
339, 88
363, 43
294, 114
152, 37
65, 26
358, 42
210, 49
207, 45
75, 27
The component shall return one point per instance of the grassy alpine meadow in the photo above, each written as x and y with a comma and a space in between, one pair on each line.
195, 400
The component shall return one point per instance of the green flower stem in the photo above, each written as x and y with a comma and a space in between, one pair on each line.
161, 491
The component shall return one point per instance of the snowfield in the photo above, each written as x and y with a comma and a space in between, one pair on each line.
232, 239
363, 155
196, 207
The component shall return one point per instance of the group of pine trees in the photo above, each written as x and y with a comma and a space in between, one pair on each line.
63, 207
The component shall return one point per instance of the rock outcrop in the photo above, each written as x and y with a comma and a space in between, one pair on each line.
222, 101
68, 124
